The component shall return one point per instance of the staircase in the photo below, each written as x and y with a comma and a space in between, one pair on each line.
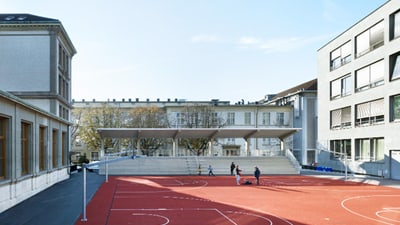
189, 165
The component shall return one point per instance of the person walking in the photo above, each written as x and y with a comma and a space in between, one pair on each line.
232, 168
257, 174
238, 173
210, 171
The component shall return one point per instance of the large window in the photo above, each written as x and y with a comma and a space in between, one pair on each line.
395, 25
231, 118
340, 149
3, 147
247, 118
54, 148
341, 87
370, 149
394, 62
341, 118
64, 148
341, 56
395, 108
370, 39
370, 113
370, 76
266, 118
280, 118
42, 148
25, 148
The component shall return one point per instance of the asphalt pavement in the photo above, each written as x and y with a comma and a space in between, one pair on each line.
60, 204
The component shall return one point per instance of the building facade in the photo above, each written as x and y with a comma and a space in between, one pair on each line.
303, 99
237, 115
359, 96
35, 92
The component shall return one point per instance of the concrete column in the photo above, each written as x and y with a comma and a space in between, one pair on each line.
174, 146
210, 147
138, 145
247, 146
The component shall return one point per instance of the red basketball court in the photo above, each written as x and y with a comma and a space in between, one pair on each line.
278, 200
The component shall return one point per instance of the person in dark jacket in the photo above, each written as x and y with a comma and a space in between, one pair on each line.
233, 166
257, 174
238, 173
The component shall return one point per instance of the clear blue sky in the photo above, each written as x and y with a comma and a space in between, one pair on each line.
194, 49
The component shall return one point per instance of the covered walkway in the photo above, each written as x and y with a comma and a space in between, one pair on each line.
210, 133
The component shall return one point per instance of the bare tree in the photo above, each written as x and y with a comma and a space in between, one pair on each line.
88, 120
199, 116
148, 117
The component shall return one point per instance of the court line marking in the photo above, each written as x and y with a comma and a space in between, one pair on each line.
204, 209
154, 215
205, 183
361, 215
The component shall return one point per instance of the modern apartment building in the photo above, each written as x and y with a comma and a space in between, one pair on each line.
239, 115
359, 96
35, 92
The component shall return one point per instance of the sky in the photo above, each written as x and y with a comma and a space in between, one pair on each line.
195, 50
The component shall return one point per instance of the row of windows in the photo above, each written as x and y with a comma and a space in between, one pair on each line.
27, 150
367, 113
366, 149
230, 121
64, 73
367, 77
365, 42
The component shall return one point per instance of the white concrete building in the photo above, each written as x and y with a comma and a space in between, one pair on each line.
359, 96
303, 100
35, 92
239, 115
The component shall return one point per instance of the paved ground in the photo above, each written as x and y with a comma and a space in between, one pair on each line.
61, 204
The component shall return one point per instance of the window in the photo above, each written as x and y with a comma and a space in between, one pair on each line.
340, 149
341, 56
395, 25
341, 87
94, 156
42, 148
64, 148
55, 149
266, 118
341, 118
231, 118
370, 76
394, 62
370, 113
395, 108
370, 149
63, 112
247, 118
370, 39
64, 73
180, 119
25, 148
280, 118
3, 147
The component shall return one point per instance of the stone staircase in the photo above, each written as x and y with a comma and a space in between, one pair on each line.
190, 165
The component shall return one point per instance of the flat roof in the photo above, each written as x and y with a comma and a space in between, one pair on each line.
245, 133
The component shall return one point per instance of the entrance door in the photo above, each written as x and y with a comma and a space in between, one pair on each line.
395, 164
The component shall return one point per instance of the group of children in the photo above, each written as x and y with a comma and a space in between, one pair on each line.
235, 170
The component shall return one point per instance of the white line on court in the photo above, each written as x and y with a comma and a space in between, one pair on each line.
361, 215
